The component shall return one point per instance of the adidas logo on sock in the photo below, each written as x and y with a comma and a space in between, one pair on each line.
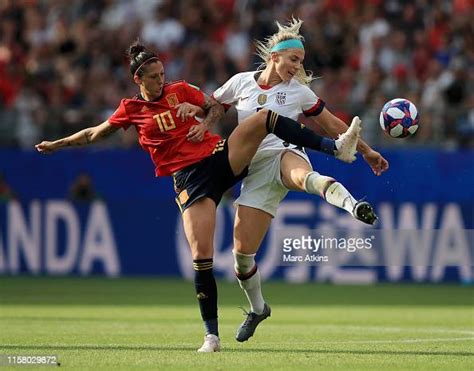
202, 296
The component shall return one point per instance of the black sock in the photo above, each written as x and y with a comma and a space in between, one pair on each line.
206, 291
296, 133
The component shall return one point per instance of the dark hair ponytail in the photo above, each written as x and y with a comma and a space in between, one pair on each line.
139, 55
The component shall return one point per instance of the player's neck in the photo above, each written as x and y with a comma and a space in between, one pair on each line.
147, 96
269, 77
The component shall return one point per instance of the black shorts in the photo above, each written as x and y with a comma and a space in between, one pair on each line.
210, 177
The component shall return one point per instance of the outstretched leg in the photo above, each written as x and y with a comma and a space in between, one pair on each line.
297, 175
245, 139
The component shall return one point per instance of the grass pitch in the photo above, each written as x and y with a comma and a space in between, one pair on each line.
94, 323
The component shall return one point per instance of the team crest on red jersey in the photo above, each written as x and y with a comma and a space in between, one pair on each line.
172, 100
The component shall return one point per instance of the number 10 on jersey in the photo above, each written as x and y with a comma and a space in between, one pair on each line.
165, 121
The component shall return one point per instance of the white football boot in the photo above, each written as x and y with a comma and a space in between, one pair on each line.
346, 144
211, 344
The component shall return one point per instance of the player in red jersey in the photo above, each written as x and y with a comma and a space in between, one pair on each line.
161, 132
202, 165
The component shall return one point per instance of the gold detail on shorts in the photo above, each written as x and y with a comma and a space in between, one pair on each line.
262, 99
183, 197
219, 146
179, 205
302, 126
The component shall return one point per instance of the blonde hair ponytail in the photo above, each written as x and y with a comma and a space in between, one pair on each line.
285, 32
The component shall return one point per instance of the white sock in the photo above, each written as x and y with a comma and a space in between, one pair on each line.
245, 264
336, 194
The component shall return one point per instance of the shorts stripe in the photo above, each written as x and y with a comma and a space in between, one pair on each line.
219, 146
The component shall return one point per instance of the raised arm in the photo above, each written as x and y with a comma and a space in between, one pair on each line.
81, 138
335, 126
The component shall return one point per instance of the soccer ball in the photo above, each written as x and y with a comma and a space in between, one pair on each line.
399, 118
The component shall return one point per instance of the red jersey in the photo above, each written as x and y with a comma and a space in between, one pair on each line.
161, 132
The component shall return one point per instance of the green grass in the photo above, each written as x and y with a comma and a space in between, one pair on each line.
94, 323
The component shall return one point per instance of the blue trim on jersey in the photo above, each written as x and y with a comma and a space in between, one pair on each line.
287, 44
316, 109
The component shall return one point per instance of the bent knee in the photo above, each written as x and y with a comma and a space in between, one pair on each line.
262, 115
297, 178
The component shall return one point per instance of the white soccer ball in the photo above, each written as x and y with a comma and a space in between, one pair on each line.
399, 118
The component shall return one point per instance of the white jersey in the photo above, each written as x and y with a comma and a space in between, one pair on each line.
288, 99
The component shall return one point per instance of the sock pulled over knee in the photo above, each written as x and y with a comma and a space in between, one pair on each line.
296, 133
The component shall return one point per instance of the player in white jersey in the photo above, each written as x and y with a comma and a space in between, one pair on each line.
281, 86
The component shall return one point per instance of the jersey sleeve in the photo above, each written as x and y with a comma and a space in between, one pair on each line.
193, 94
227, 93
311, 104
120, 117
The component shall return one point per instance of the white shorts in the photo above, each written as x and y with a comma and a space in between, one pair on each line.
263, 188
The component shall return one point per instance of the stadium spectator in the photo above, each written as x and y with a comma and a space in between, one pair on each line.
58, 53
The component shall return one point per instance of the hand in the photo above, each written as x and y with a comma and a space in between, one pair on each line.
187, 110
376, 161
46, 147
196, 133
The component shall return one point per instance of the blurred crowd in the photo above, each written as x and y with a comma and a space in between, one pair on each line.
63, 65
